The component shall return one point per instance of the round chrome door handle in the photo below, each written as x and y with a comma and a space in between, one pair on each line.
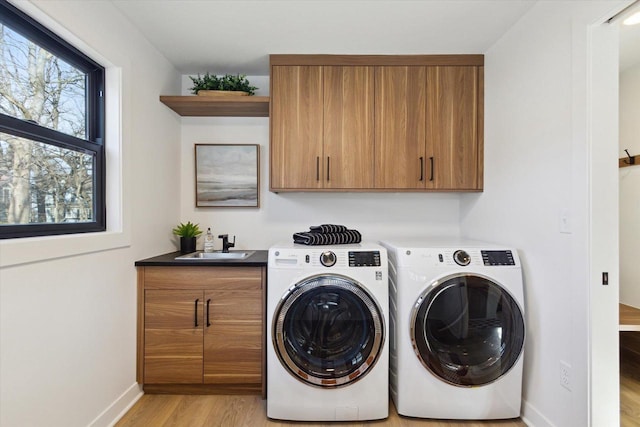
328, 259
461, 257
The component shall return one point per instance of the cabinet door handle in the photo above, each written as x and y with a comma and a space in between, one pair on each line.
195, 321
208, 303
421, 169
431, 163
318, 168
328, 169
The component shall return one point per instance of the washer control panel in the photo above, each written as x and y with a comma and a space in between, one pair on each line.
497, 258
328, 257
336, 258
364, 258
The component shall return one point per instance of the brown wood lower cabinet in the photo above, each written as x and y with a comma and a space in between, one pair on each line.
200, 329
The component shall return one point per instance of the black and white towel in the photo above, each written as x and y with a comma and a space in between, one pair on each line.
328, 228
327, 234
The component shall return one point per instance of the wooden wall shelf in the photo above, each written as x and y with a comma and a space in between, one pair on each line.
623, 162
202, 106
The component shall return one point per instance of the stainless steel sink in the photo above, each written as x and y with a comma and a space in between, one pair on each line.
210, 256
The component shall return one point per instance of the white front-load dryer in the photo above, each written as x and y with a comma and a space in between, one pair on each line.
457, 329
327, 346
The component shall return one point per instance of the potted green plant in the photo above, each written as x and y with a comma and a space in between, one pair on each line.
229, 84
188, 233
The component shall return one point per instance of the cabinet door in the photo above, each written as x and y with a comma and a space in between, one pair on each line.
400, 101
296, 128
348, 127
233, 332
452, 127
173, 328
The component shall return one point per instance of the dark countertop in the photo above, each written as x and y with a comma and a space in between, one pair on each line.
258, 259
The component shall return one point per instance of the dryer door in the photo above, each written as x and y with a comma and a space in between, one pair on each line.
467, 330
328, 330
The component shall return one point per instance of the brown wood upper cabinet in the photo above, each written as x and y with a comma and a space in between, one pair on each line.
376, 123
322, 137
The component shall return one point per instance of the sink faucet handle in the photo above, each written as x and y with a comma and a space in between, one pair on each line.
226, 244
229, 244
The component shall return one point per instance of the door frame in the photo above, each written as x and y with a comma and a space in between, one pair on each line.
602, 224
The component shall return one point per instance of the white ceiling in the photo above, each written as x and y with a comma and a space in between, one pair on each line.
237, 36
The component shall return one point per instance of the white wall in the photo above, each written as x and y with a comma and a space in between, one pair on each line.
536, 168
375, 215
67, 325
630, 187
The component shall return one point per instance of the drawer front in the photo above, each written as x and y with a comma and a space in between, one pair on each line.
233, 278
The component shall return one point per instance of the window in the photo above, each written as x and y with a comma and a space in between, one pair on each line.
52, 160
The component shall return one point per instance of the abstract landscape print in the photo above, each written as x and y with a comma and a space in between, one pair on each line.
227, 175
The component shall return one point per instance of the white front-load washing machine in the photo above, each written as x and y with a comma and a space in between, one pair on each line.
457, 329
327, 346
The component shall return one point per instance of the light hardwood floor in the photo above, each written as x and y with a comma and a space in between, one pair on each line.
630, 379
629, 366
157, 410
629, 318
250, 411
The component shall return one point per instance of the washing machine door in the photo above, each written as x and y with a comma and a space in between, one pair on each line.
328, 330
467, 330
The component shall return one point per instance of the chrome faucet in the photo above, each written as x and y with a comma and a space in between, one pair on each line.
225, 242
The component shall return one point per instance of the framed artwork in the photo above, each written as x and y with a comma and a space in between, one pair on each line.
227, 175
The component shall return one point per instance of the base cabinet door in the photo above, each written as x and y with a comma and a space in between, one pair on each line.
233, 336
173, 336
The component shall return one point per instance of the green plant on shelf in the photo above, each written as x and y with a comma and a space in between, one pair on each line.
230, 82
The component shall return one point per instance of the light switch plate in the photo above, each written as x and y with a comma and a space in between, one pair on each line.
565, 221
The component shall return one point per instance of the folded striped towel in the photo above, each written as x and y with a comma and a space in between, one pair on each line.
328, 228
339, 238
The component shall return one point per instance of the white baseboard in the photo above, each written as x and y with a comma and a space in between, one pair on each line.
533, 418
110, 416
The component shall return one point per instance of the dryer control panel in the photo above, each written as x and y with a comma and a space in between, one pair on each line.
455, 257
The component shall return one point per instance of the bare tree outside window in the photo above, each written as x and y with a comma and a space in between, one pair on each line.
42, 182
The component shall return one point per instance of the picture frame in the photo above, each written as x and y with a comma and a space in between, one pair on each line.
227, 175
